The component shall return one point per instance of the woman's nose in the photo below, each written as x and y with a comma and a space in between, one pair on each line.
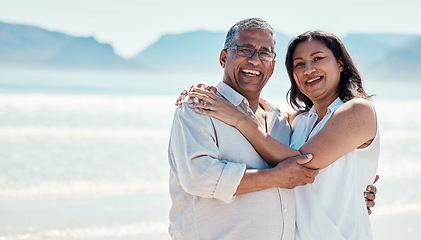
309, 68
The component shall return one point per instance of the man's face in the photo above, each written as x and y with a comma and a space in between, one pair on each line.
248, 75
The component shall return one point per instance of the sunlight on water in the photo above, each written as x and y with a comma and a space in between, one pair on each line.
82, 133
90, 163
38, 189
120, 231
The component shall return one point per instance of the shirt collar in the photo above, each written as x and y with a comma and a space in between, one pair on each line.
332, 107
236, 99
230, 94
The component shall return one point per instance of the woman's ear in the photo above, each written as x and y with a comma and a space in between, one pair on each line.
341, 64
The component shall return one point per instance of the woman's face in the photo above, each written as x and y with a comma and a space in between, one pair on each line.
316, 70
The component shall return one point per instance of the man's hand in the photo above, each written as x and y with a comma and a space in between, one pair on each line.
287, 174
370, 195
290, 173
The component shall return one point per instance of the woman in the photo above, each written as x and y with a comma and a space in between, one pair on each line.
334, 121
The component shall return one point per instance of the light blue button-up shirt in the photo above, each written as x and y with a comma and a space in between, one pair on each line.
207, 161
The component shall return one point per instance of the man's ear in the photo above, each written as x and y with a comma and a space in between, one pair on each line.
223, 58
273, 67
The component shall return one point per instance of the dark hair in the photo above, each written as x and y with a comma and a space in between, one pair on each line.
350, 83
248, 24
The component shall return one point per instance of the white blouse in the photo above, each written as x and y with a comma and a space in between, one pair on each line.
333, 207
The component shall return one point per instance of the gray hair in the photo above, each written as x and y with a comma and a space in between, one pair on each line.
248, 24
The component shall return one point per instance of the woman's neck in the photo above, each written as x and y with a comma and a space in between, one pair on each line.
321, 106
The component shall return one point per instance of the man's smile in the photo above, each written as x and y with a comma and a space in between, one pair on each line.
251, 72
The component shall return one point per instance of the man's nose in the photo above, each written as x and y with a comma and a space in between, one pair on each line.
254, 59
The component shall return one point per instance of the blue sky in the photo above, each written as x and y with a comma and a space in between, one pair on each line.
132, 25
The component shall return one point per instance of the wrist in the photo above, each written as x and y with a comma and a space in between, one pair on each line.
270, 176
242, 121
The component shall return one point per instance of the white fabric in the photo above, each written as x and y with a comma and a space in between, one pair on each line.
207, 161
333, 207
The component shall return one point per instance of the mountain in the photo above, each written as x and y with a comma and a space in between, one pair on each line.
384, 56
192, 51
402, 63
196, 51
30, 46
377, 56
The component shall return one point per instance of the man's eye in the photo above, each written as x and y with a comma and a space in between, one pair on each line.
245, 50
264, 54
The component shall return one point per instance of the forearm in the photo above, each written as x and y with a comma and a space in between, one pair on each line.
200, 172
255, 180
287, 174
351, 126
271, 150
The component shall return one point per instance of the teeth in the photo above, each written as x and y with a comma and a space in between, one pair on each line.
312, 80
248, 71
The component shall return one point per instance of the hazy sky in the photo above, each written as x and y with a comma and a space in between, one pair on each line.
131, 25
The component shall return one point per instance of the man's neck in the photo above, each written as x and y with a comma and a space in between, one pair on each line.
253, 103
258, 110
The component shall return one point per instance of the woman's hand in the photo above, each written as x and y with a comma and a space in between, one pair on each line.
213, 105
201, 85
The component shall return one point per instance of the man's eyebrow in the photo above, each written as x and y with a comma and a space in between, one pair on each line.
251, 46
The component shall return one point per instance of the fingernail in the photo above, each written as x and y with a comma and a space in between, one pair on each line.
369, 188
309, 156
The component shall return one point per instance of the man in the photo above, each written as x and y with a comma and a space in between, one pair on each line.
219, 185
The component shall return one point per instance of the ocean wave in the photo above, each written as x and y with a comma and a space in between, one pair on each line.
78, 103
53, 189
119, 231
397, 207
82, 133
399, 168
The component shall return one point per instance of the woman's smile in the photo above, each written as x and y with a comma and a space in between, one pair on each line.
314, 81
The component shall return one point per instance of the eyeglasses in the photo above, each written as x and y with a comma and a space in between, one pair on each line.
249, 52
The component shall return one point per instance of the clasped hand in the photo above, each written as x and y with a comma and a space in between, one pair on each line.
210, 104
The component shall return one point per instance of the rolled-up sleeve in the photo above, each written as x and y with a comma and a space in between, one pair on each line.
194, 150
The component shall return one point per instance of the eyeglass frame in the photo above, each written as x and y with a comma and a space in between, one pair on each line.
254, 51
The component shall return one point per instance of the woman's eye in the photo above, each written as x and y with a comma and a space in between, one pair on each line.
299, 64
318, 58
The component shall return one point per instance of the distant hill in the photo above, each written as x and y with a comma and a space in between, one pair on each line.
193, 51
30, 46
402, 63
377, 56
385, 56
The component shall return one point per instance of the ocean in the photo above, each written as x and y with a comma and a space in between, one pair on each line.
83, 155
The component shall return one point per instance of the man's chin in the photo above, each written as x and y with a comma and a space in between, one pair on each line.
249, 90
